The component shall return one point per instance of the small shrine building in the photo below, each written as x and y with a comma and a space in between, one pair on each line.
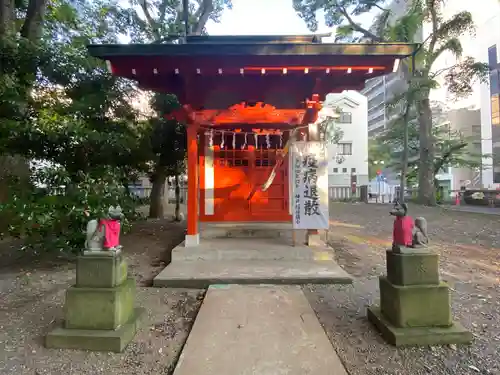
244, 98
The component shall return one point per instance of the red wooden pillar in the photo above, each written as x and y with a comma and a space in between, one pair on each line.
193, 235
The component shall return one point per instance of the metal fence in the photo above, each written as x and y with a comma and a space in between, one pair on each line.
335, 193
145, 192
345, 193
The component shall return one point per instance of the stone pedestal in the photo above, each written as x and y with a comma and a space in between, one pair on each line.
99, 312
415, 306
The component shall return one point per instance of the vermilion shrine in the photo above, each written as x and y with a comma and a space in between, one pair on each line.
243, 99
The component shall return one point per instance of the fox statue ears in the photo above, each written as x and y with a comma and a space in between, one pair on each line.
115, 212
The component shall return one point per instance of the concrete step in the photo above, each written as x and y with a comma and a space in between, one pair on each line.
194, 254
249, 249
257, 330
245, 230
201, 274
241, 233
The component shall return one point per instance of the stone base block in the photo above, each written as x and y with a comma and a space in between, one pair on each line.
95, 271
95, 340
314, 240
192, 240
416, 305
418, 336
413, 268
99, 308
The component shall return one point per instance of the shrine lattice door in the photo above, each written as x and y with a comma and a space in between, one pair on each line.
235, 173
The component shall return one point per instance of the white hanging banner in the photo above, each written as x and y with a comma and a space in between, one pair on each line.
310, 185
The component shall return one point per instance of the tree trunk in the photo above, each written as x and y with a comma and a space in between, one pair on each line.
426, 194
157, 198
177, 199
404, 161
33, 23
6, 15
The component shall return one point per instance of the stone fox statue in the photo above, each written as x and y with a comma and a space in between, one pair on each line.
104, 234
420, 236
406, 232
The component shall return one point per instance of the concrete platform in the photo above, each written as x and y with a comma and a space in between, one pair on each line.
265, 330
201, 274
250, 253
250, 261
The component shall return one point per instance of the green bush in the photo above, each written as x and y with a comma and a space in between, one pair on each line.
52, 216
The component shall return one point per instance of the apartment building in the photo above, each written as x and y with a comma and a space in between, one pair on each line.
488, 45
381, 90
349, 157
467, 121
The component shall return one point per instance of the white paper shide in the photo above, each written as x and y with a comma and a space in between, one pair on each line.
310, 185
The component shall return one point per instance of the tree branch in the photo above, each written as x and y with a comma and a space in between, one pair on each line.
438, 72
207, 7
433, 36
357, 27
151, 22
162, 10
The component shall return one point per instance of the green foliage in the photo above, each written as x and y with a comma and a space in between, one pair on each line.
451, 146
377, 152
443, 38
339, 13
329, 130
61, 107
158, 21
51, 217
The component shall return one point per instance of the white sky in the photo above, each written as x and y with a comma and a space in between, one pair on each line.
277, 17
265, 17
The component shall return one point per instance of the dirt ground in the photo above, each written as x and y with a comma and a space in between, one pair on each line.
469, 246
32, 297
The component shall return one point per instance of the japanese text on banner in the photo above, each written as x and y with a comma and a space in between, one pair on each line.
310, 188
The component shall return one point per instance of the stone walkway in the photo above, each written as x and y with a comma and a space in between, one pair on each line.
264, 330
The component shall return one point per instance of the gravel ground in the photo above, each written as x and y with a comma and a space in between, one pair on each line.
32, 298
469, 245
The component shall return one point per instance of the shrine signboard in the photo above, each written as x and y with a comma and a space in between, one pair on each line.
310, 185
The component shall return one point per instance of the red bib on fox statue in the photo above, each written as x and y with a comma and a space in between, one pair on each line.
402, 234
111, 228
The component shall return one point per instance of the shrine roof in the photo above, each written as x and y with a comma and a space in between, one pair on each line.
297, 45
214, 72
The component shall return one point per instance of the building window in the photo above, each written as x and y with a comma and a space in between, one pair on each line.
492, 56
495, 110
345, 148
344, 170
353, 170
345, 118
494, 82
335, 170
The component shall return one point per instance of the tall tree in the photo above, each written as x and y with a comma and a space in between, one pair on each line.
60, 106
161, 21
167, 142
21, 23
443, 38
